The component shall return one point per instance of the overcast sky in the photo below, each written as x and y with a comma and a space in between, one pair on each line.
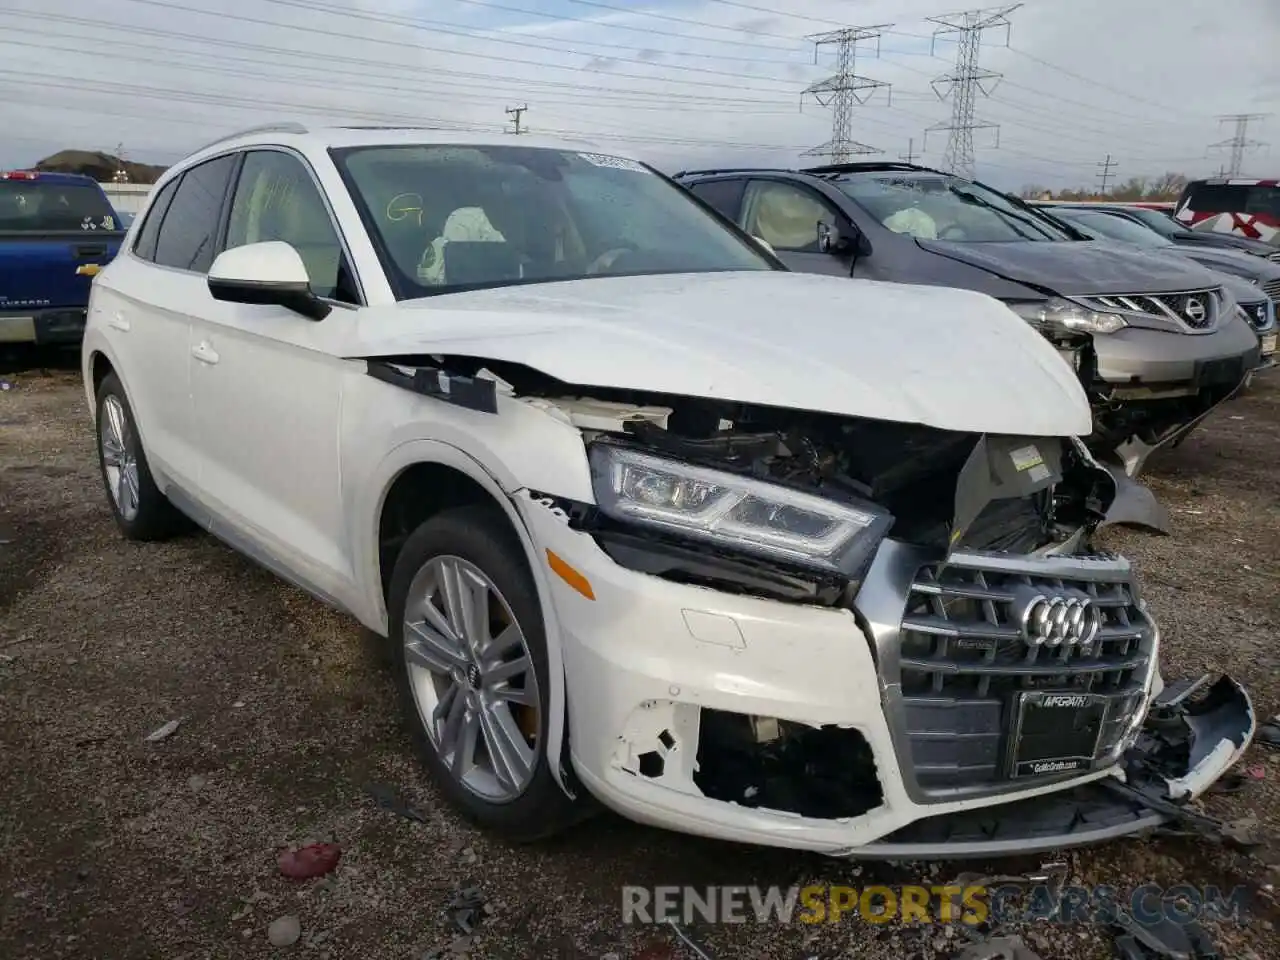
680, 83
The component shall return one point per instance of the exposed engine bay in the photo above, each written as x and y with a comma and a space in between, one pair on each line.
945, 489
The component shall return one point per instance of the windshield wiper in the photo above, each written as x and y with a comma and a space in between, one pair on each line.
970, 197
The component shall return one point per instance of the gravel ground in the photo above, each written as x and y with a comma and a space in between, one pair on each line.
117, 847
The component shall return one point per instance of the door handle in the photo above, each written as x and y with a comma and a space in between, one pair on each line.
204, 353
118, 321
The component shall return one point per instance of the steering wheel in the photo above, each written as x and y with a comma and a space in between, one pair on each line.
951, 232
608, 258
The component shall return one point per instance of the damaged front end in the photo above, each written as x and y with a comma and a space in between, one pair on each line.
983, 667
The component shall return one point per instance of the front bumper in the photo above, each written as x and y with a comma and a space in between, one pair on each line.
647, 659
1155, 362
43, 327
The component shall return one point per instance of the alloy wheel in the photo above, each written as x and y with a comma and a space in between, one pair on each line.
472, 678
118, 457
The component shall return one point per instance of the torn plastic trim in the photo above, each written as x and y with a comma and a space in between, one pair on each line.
1150, 790
1221, 725
471, 393
1135, 505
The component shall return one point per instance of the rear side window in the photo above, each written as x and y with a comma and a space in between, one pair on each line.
725, 196
189, 231
45, 206
1218, 197
145, 247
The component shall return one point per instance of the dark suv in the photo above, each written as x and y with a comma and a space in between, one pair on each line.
1156, 342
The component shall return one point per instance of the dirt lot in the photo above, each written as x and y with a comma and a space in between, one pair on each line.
116, 847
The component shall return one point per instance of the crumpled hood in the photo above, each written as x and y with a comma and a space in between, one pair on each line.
946, 358
1077, 268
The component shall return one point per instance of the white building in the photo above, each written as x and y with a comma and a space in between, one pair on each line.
127, 197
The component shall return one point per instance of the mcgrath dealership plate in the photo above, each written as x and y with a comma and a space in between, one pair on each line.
1056, 732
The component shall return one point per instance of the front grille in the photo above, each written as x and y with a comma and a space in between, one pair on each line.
1194, 309
1272, 289
1256, 313
963, 660
1274, 257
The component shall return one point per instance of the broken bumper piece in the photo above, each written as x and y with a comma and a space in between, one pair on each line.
1194, 734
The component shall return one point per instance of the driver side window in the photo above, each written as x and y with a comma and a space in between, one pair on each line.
276, 199
785, 216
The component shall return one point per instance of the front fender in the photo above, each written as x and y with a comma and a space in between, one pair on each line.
374, 614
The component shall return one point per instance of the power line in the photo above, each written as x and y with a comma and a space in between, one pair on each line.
1104, 172
663, 99
1240, 143
476, 33
842, 90
962, 82
502, 58
632, 28
1084, 78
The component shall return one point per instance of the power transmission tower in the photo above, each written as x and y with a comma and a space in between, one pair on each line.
1104, 171
515, 113
843, 89
910, 155
120, 174
1239, 143
964, 82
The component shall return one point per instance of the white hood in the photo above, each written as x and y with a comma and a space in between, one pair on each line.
947, 358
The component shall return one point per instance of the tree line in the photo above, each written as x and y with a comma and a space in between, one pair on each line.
1166, 187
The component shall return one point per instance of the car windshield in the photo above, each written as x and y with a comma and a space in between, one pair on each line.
451, 218
44, 206
938, 207
1161, 223
1115, 228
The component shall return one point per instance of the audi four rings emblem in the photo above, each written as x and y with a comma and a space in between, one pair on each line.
1051, 621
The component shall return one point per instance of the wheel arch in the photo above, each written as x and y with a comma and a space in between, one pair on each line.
451, 477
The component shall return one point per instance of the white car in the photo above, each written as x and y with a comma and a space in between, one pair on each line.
771, 557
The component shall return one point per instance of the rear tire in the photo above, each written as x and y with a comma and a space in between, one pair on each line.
140, 510
470, 659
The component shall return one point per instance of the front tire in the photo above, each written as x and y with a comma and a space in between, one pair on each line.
141, 511
470, 659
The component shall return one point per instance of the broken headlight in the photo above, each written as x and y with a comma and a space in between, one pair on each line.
1057, 315
738, 513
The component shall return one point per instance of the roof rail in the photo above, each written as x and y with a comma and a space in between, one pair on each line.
287, 126
855, 166
692, 173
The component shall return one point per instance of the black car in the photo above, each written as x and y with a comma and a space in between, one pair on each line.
1175, 232
1155, 341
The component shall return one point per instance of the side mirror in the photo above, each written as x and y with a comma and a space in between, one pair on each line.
829, 238
765, 245
832, 240
270, 272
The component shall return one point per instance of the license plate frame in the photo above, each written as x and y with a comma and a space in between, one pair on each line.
1028, 756
1222, 372
1268, 344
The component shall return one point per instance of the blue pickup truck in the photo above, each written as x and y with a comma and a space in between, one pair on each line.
57, 230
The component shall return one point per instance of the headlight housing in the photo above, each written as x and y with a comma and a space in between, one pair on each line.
1057, 315
740, 514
